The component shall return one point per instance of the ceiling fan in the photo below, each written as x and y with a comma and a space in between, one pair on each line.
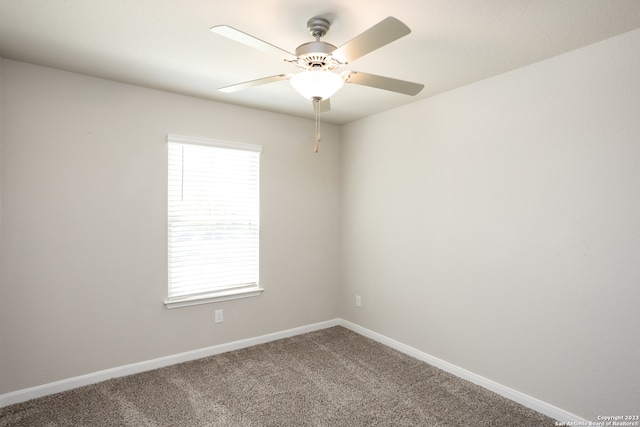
319, 60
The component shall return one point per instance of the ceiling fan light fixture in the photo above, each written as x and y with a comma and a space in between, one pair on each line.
315, 84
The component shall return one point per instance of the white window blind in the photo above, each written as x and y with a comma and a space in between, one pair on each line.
213, 217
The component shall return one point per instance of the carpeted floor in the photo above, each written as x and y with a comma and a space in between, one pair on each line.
332, 377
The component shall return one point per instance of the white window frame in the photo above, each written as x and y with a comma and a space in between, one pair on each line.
242, 290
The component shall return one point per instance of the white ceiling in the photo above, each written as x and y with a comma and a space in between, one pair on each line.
165, 44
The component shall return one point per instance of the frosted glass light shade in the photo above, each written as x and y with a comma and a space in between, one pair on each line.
316, 84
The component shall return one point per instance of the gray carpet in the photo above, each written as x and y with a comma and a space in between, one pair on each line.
332, 377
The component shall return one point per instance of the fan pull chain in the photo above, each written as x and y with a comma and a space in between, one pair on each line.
316, 102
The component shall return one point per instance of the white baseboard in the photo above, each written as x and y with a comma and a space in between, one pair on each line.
511, 394
134, 368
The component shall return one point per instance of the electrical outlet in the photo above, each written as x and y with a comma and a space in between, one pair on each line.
358, 301
219, 317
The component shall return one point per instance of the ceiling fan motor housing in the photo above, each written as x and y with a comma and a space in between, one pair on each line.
316, 55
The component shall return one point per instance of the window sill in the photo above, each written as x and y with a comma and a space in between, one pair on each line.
213, 297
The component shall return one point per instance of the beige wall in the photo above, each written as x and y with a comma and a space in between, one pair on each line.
84, 264
497, 227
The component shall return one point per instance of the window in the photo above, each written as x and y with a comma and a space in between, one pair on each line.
213, 220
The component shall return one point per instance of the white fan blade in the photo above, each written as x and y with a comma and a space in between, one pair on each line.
252, 83
381, 34
248, 40
380, 82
